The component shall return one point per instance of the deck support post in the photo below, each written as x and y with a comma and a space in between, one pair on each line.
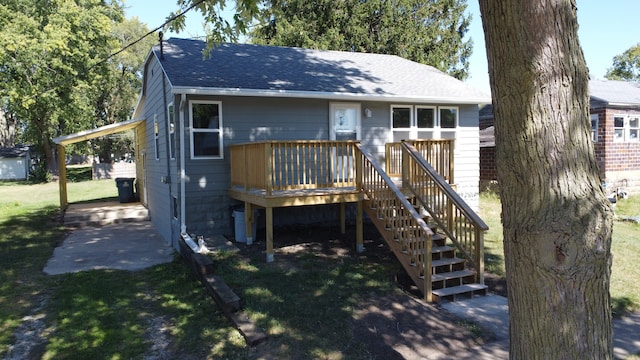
359, 229
248, 222
343, 218
269, 222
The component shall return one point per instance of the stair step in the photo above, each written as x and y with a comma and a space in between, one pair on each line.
447, 261
452, 275
467, 290
439, 252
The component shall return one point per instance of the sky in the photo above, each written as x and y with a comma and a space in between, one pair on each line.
606, 29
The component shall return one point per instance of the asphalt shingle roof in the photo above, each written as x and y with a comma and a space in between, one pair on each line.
615, 92
14, 152
284, 70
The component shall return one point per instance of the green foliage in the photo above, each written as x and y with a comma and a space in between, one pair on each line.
40, 174
218, 29
429, 32
626, 66
54, 76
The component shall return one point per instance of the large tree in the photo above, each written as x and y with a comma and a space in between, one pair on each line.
50, 62
116, 92
429, 32
557, 220
626, 66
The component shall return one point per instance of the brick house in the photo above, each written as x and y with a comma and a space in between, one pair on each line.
615, 126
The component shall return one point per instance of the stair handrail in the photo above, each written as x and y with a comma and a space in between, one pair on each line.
454, 205
371, 189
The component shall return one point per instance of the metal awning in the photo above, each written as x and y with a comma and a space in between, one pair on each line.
98, 132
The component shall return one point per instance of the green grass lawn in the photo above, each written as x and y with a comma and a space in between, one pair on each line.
306, 310
625, 248
110, 314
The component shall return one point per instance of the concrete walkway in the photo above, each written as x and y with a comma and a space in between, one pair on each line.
492, 312
125, 246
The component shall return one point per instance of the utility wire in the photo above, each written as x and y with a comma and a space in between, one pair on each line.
125, 47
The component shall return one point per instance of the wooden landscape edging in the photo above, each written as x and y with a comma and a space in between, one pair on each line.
203, 268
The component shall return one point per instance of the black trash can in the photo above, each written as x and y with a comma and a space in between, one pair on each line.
125, 189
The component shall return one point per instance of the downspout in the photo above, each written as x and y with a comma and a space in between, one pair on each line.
183, 175
168, 151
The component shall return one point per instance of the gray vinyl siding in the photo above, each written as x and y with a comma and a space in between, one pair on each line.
244, 120
161, 179
249, 119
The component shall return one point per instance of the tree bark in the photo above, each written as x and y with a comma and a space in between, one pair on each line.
557, 220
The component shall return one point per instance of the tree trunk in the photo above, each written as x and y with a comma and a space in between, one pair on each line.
557, 220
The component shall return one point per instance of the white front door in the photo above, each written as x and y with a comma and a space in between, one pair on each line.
344, 121
344, 124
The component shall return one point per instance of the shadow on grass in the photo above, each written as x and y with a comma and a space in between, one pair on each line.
621, 306
306, 304
26, 243
494, 263
159, 312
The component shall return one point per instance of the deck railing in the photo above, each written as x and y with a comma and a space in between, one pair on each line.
439, 153
411, 235
290, 165
454, 217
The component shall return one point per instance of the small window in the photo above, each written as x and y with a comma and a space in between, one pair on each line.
401, 117
206, 129
618, 128
175, 207
594, 127
425, 118
634, 128
156, 139
448, 118
171, 127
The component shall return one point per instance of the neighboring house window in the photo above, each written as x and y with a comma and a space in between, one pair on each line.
156, 140
206, 129
594, 127
626, 128
634, 128
423, 122
171, 126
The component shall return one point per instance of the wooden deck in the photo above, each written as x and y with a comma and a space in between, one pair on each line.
425, 222
295, 173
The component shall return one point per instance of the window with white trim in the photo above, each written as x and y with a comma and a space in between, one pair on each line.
171, 127
205, 120
423, 122
594, 127
618, 128
634, 128
626, 128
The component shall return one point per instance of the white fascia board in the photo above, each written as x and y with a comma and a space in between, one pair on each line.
325, 95
97, 132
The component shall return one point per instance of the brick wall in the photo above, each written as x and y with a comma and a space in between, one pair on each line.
488, 163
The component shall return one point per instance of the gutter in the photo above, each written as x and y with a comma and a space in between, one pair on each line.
328, 95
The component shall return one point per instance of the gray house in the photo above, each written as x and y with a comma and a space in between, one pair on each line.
198, 107
300, 136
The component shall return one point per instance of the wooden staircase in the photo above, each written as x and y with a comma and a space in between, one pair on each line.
448, 243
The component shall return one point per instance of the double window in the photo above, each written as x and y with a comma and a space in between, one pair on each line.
626, 128
423, 122
205, 120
